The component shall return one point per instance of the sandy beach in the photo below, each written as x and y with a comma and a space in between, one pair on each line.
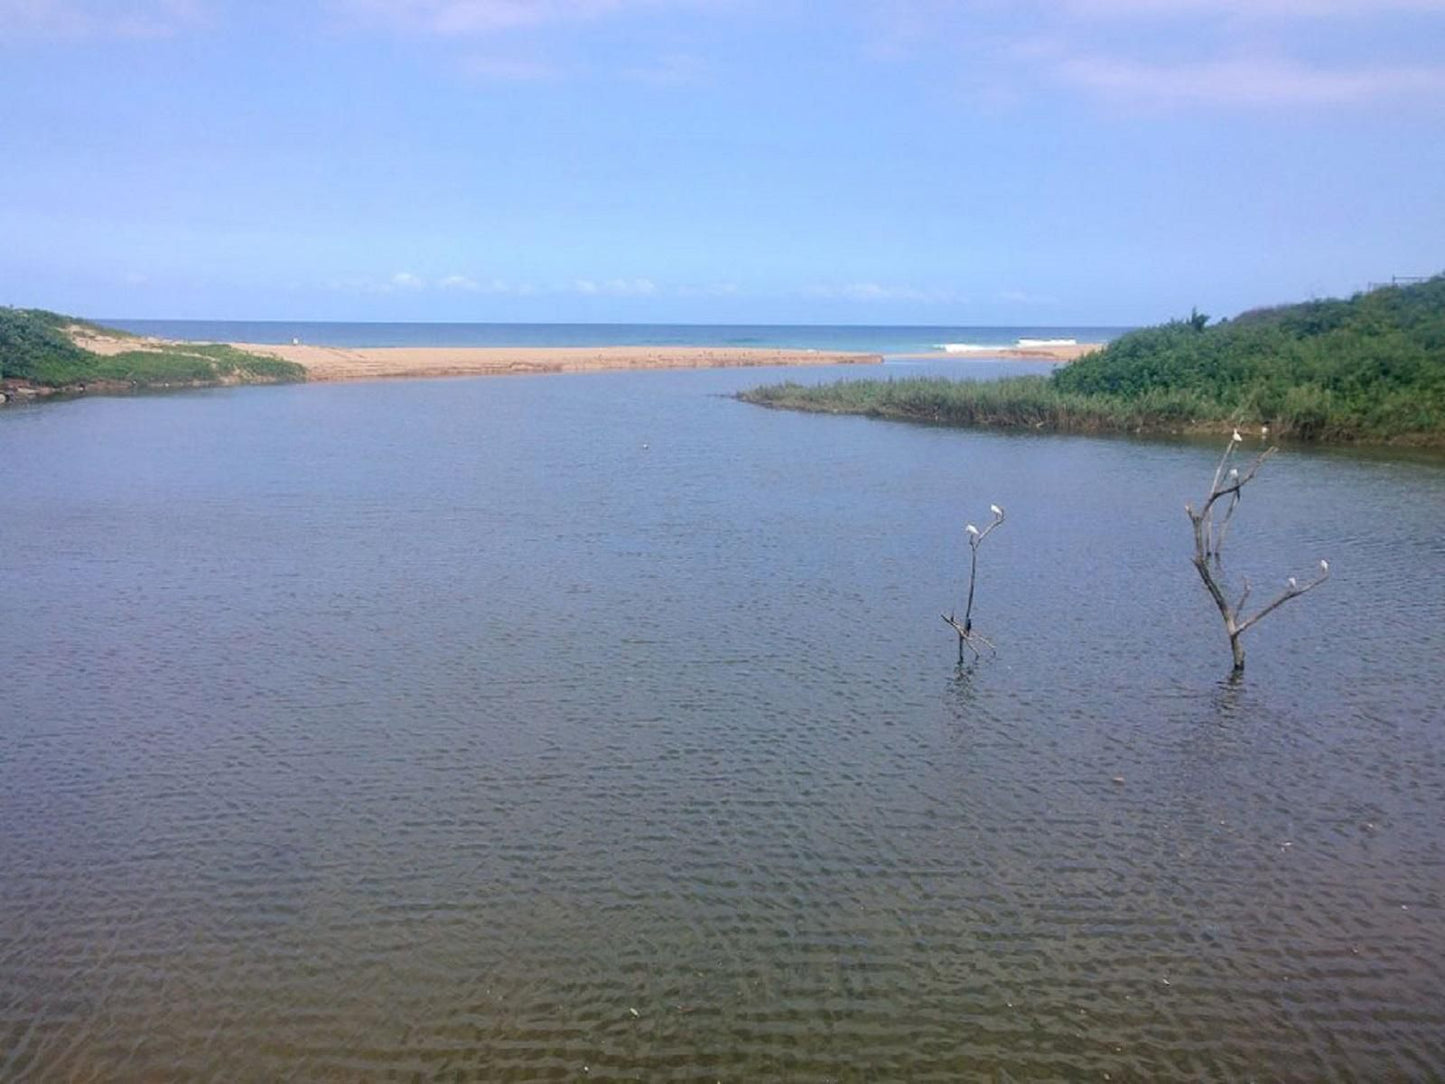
333, 363
329, 363
377, 363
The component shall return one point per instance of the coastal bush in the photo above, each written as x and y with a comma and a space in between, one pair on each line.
35, 346
1368, 368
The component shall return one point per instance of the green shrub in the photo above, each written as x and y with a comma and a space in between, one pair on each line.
34, 347
1368, 368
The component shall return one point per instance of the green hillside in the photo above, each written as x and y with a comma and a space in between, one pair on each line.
1370, 368
36, 348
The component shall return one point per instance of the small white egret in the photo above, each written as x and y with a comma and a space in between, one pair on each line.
1324, 566
1236, 438
1293, 583
995, 509
971, 529
1234, 472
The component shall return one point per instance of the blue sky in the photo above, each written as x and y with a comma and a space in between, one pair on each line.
899, 161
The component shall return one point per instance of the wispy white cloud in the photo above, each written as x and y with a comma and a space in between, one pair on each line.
873, 292
460, 18
1169, 54
405, 280
616, 287
1023, 297
467, 284
98, 18
1254, 9
1243, 81
459, 282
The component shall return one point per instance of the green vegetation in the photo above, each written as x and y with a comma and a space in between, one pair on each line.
1371, 368
36, 347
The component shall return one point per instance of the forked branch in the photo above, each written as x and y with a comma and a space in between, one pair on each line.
966, 636
1210, 529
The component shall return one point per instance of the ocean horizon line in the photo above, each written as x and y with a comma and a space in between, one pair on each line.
860, 338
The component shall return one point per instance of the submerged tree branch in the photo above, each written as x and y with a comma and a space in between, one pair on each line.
1209, 536
966, 635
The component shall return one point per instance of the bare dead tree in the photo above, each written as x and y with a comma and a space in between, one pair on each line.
966, 636
1210, 530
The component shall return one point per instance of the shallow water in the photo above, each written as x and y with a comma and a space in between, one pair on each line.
602, 727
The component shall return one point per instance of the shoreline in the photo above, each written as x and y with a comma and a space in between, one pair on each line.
1061, 353
1030, 404
330, 364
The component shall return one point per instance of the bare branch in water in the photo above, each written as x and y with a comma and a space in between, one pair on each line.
966, 636
1209, 535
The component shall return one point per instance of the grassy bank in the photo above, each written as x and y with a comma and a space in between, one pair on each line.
1021, 402
1371, 368
40, 349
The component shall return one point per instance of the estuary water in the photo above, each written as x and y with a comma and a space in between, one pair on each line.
601, 727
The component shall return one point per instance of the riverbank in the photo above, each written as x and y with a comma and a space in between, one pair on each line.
1365, 370
1036, 404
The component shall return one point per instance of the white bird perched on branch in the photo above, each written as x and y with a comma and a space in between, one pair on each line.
1324, 566
1237, 438
995, 509
971, 529
1293, 582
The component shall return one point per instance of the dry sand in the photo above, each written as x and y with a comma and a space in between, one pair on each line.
376, 363
324, 363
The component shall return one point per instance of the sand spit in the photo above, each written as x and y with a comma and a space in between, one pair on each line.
329, 363
1060, 352
380, 363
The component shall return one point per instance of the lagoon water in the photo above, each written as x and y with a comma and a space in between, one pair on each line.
601, 727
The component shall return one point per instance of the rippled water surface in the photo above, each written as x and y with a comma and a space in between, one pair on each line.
602, 727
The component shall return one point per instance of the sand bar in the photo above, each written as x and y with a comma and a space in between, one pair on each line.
386, 362
1052, 352
396, 362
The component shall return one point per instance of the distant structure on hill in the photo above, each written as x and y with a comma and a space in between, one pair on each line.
1397, 280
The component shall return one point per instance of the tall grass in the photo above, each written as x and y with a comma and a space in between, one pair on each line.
1022, 402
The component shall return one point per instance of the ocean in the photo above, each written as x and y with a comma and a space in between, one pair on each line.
861, 338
